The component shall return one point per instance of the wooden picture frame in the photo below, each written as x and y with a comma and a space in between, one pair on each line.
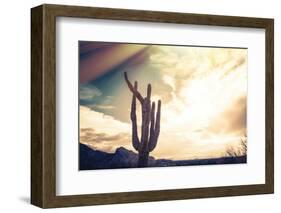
43, 105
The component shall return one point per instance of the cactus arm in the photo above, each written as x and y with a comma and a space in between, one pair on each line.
146, 133
148, 113
157, 125
154, 130
135, 138
152, 126
143, 123
132, 89
146, 108
148, 92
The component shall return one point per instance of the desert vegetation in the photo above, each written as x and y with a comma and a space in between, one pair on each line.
240, 151
150, 127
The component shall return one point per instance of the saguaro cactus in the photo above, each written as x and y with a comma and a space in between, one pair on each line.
150, 127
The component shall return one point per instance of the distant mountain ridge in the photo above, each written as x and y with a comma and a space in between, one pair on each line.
90, 159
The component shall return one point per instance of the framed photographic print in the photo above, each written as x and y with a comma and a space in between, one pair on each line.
137, 106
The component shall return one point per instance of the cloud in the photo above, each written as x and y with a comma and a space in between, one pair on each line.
101, 122
90, 135
203, 91
87, 92
206, 110
181, 65
104, 106
103, 141
103, 132
232, 119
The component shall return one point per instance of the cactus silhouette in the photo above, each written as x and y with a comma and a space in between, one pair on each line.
150, 127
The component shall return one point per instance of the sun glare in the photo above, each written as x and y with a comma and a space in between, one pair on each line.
201, 90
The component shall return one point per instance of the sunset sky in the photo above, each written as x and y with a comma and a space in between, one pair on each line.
203, 92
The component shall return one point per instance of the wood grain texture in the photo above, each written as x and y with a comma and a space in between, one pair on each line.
36, 106
43, 105
269, 105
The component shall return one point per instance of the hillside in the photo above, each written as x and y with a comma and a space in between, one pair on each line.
123, 158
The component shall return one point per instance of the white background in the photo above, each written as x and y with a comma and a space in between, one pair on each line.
15, 106
71, 181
